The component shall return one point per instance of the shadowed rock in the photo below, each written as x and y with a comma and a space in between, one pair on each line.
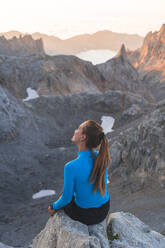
21, 46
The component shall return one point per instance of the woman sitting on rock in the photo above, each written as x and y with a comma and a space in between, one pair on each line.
85, 197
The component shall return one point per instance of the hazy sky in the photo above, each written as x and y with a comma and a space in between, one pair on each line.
65, 18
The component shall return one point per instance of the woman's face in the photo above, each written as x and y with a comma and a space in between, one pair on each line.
78, 136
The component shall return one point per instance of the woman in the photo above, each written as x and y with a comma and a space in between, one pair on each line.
85, 197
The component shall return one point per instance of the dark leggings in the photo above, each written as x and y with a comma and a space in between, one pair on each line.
88, 216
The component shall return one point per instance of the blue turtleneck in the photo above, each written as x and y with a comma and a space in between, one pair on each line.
76, 182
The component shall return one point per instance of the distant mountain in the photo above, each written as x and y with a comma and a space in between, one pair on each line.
99, 40
25, 45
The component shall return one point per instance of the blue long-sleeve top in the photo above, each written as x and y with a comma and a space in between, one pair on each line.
76, 182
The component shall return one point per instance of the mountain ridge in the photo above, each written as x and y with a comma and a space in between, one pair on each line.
103, 39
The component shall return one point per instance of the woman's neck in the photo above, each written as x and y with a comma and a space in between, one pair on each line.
82, 147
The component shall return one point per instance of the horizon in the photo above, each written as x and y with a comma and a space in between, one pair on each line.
66, 19
28, 33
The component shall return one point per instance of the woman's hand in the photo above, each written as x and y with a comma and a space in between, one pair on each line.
51, 211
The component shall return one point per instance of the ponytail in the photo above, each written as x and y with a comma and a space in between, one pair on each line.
95, 137
101, 163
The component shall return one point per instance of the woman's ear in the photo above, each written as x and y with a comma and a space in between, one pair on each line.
83, 137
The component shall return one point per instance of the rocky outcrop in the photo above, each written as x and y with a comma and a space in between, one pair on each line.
150, 62
21, 46
124, 231
69, 74
61, 231
49, 75
62, 74
152, 52
119, 74
127, 231
138, 159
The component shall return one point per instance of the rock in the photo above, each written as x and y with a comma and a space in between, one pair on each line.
141, 150
149, 60
63, 232
49, 75
152, 52
4, 246
62, 74
120, 74
124, 230
127, 231
11, 111
131, 113
21, 46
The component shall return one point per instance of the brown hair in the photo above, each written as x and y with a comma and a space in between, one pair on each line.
95, 137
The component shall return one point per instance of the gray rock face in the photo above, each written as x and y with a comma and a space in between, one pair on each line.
119, 74
141, 151
63, 232
132, 233
21, 46
68, 74
49, 75
11, 111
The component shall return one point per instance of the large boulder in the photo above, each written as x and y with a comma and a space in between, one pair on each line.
120, 230
63, 232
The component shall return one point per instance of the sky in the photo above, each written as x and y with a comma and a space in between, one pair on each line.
65, 18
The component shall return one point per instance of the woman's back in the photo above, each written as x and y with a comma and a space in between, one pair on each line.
81, 169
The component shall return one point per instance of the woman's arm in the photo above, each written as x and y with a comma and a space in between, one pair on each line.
68, 188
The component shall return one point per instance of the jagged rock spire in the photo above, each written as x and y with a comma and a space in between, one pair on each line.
162, 29
122, 52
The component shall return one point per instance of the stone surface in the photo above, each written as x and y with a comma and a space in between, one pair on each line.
63, 232
124, 231
132, 232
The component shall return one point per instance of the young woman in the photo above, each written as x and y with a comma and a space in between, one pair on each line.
85, 197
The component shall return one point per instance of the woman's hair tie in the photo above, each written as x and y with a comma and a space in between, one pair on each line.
101, 135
